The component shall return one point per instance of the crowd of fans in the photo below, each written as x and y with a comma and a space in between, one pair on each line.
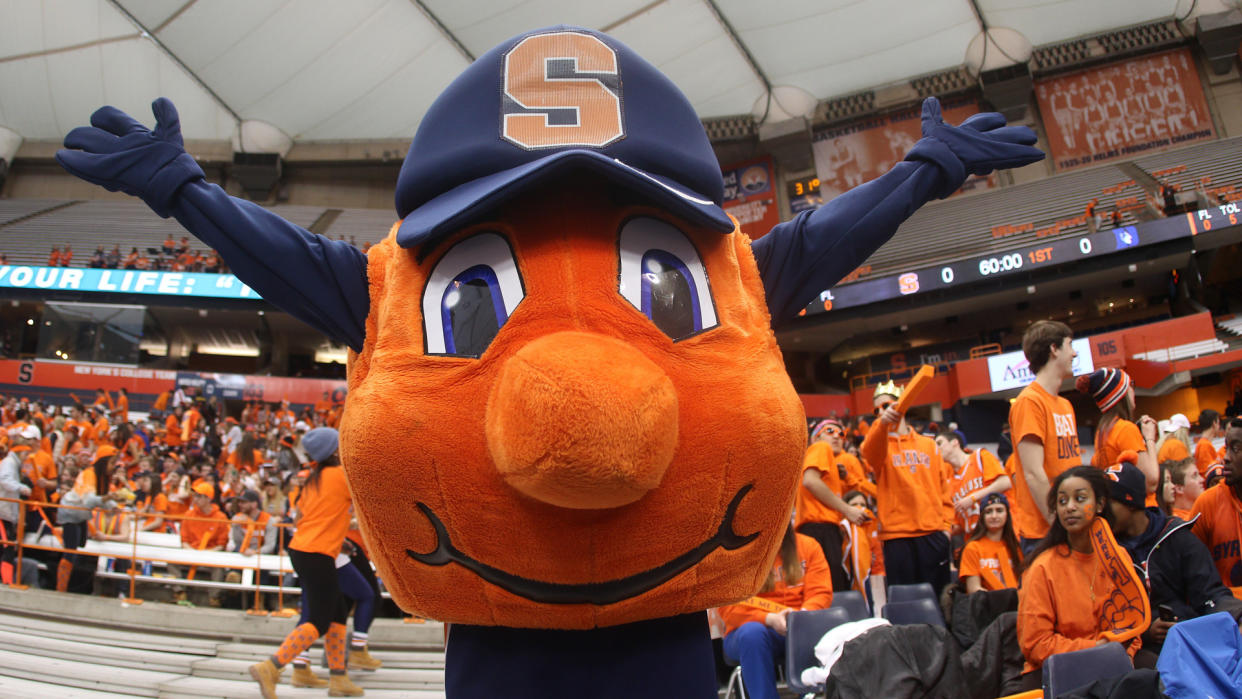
881, 498
235, 478
916, 502
172, 256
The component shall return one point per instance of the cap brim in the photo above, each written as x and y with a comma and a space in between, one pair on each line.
467, 203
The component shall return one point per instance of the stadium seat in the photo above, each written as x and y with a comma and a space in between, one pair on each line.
1064, 672
803, 631
905, 593
918, 611
853, 602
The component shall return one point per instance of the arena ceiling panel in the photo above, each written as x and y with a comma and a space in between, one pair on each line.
326, 70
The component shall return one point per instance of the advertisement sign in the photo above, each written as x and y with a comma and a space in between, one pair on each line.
26, 377
1011, 370
125, 281
848, 156
750, 196
1125, 109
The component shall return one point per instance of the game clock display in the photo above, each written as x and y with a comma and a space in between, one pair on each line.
1053, 251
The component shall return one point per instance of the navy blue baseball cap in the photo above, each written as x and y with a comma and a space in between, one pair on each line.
546, 102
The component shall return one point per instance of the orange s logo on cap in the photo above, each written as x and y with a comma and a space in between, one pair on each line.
555, 94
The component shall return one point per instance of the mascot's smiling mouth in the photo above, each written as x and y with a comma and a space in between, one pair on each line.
599, 593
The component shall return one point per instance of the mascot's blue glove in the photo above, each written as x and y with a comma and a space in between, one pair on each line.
120, 154
980, 145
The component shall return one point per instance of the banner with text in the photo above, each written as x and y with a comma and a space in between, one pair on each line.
848, 156
125, 281
1124, 109
1011, 370
750, 196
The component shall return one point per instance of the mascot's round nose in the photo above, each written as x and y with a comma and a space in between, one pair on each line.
582, 421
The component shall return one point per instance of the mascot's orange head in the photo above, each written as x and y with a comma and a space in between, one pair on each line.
570, 410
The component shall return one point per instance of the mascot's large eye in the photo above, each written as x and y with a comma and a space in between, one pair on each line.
470, 294
662, 276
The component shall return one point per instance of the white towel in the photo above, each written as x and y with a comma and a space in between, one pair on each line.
829, 648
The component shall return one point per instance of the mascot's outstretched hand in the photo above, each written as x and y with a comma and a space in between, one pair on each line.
980, 145
120, 154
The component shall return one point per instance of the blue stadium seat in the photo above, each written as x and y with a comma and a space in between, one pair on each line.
917, 611
905, 593
803, 631
853, 602
1064, 672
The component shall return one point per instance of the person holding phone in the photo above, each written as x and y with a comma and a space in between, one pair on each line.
1181, 579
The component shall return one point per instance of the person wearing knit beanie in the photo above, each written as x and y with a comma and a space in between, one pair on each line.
1113, 392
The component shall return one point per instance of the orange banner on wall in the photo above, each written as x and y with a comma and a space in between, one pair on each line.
1123, 110
851, 155
750, 196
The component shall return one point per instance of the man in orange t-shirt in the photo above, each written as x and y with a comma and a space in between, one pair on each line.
914, 503
1220, 513
1043, 428
1207, 455
818, 506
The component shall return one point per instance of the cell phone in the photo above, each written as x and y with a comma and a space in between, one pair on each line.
1166, 613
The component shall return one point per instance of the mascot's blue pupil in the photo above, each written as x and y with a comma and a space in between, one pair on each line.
472, 311
669, 295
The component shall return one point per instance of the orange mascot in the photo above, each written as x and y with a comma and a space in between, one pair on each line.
569, 430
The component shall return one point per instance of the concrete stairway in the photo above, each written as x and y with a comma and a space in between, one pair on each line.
54, 645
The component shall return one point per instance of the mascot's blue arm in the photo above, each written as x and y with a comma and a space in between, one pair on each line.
320, 281
801, 258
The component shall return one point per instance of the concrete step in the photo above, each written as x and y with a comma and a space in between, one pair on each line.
199, 687
85, 631
395, 659
95, 652
14, 688
385, 678
84, 675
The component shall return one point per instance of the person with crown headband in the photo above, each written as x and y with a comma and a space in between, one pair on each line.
552, 350
915, 505
819, 507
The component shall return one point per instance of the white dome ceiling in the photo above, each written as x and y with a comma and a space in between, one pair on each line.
368, 69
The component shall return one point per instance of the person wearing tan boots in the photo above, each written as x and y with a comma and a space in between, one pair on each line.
322, 521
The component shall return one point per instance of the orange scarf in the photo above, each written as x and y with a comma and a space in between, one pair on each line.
1127, 611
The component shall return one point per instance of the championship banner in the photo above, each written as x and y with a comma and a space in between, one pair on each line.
848, 156
1122, 110
750, 196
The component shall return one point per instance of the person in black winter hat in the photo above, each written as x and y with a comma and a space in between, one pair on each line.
1181, 580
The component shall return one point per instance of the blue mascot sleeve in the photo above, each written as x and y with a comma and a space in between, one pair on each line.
802, 257
320, 281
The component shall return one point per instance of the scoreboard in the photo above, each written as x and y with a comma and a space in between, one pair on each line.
1053, 251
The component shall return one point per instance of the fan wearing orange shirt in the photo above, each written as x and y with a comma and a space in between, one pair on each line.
976, 475
190, 422
121, 410
914, 503
755, 627
1174, 444
323, 505
818, 505
1206, 455
1042, 427
992, 559
1113, 392
172, 427
53, 259
1185, 487
1065, 603
1219, 512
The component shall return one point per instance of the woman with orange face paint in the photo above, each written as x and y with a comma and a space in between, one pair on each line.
1062, 605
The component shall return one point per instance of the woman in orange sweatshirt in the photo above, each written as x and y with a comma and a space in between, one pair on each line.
1066, 592
755, 627
323, 520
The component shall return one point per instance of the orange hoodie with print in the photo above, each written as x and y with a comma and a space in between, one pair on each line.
814, 591
913, 482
